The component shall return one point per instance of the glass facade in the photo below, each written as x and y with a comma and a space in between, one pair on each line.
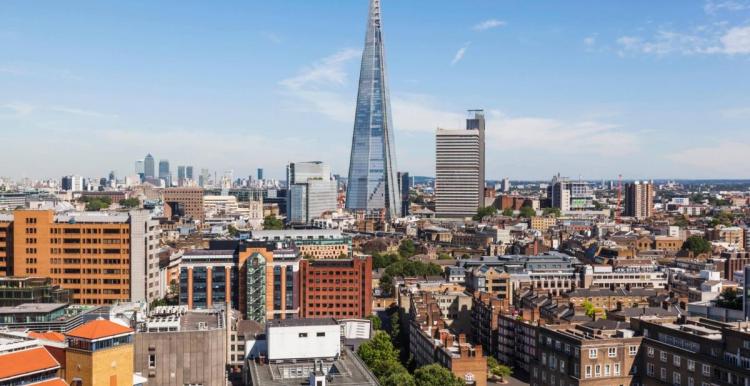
200, 287
372, 184
218, 286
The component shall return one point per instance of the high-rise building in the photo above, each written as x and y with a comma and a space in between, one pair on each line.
189, 173
311, 191
639, 199
506, 185
405, 185
260, 174
180, 175
570, 195
372, 185
459, 168
139, 168
164, 172
72, 184
204, 178
148, 166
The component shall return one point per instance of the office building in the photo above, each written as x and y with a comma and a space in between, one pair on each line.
19, 290
311, 191
260, 174
176, 346
459, 169
337, 288
184, 202
596, 353
140, 169
165, 173
99, 352
72, 183
180, 175
570, 195
312, 243
639, 199
42, 317
372, 186
189, 173
405, 187
102, 257
148, 167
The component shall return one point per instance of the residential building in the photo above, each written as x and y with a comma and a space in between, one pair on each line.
176, 346
372, 186
639, 199
19, 290
312, 191
492, 280
517, 339
338, 288
485, 311
102, 257
459, 169
184, 202
542, 223
6, 244
594, 353
99, 352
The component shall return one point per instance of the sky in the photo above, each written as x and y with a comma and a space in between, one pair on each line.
642, 88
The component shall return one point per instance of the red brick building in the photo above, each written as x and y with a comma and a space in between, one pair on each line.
336, 288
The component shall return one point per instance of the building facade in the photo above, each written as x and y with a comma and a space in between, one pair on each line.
639, 199
338, 288
184, 202
312, 191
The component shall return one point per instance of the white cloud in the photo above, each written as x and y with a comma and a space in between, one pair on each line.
737, 41
317, 88
460, 54
712, 159
713, 7
488, 24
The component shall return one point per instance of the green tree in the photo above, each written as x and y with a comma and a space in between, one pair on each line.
681, 221
527, 212
436, 375
588, 308
233, 231
398, 379
380, 356
484, 212
723, 218
444, 256
697, 245
407, 248
730, 299
377, 324
130, 203
386, 284
380, 260
508, 212
555, 212
273, 223
502, 371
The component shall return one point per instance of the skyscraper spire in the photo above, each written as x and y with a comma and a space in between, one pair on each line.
372, 185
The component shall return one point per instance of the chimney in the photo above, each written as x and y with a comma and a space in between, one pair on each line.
461, 338
478, 350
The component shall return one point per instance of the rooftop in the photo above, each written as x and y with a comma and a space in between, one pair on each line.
98, 329
347, 369
28, 308
301, 322
18, 363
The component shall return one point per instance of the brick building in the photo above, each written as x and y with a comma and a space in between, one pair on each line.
6, 243
184, 202
336, 287
485, 311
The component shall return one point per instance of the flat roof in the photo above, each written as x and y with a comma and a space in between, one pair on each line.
347, 369
32, 308
301, 322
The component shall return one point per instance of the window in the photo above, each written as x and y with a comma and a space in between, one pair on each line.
592, 353
663, 374
606, 370
691, 365
663, 356
650, 352
706, 370
576, 370
303, 335
597, 370
562, 366
676, 360
588, 371
650, 369
632, 350
151, 361
612, 352
691, 382
617, 369
320, 334
676, 378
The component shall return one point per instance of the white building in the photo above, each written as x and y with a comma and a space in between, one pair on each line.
302, 339
312, 191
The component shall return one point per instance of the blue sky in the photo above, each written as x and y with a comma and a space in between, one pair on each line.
593, 88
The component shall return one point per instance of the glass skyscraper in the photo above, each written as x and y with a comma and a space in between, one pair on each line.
373, 185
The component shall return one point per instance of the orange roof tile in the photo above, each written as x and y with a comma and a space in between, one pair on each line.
22, 362
97, 329
49, 335
51, 382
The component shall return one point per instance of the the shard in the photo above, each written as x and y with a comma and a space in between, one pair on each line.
373, 186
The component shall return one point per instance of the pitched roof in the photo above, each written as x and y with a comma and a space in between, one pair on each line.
51, 382
98, 329
16, 363
49, 335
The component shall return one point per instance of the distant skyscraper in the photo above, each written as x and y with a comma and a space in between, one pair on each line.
311, 191
506, 185
73, 184
639, 199
405, 184
372, 184
558, 192
260, 174
180, 175
189, 172
203, 179
148, 166
139, 170
164, 172
459, 169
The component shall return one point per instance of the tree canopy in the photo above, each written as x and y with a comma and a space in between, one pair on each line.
436, 375
555, 212
407, 248
697, 245
130, 203
96, 203
508, 212
381, 357
273, 223
527, 212
730, 299
484, 212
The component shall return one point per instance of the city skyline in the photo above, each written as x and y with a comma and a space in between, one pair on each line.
643, 90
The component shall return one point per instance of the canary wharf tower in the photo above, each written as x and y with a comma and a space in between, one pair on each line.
373, 187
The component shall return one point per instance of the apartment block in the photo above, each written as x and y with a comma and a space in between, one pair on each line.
431, 342
6, 244
102, 257
184, 202
491, 279
337, 288
596, 353
517, 342
485, 311
639, 199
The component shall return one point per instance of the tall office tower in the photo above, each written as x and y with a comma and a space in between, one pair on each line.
372, 185
124, 268
148, 166
180, 175
311, 191
459, 167
260, 174
72, 184
203, 179
405, 185
139, 169
111, 178
506, 185
189, 173
558, 192
164, 172
639, 199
